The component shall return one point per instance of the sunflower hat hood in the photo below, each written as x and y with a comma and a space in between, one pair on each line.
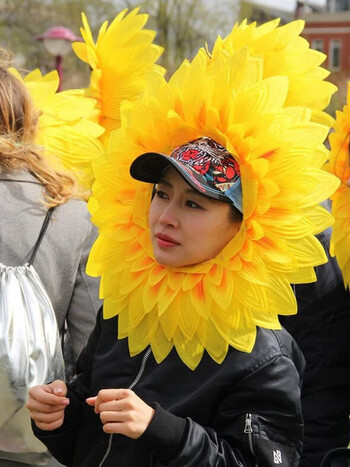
67, 134
339, 164
121, 61
280, 152
284, 52
75, 125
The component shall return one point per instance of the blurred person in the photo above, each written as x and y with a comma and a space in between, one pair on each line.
322, 330
28, 188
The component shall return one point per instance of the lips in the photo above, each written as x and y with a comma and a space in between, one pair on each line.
164, 240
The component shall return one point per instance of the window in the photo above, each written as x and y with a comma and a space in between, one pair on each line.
331, 5
334, 54
317, 44
343, 5
338, 5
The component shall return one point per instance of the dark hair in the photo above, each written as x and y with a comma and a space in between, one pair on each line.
234, 214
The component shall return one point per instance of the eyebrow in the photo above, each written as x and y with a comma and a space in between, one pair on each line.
188, 190
164, 182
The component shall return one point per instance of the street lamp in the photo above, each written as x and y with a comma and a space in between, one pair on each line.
57, 41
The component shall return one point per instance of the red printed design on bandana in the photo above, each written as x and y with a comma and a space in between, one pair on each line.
195, 181
189, 154
210, 159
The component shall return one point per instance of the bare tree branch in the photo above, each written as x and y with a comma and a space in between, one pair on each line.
182, 27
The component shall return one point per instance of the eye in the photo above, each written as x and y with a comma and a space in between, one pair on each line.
161, 194
193, 205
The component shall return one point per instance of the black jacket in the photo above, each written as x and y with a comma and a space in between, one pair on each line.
322, 330
243, 412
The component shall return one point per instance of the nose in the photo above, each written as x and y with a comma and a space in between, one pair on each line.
169, 216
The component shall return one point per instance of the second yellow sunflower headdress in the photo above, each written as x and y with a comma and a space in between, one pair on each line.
230, 97
339, 164
67, 134
74, 125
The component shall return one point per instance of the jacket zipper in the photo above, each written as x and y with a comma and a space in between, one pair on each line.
136, 380
249, 431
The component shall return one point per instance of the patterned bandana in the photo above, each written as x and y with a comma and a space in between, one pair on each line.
204, 164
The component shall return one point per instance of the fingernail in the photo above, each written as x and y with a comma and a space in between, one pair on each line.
59, 391
65, 401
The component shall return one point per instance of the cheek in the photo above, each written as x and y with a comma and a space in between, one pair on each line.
223, 235
206, 239
152, 217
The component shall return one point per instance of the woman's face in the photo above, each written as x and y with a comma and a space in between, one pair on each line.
186, 227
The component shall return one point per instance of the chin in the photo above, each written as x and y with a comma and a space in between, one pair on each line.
167, 262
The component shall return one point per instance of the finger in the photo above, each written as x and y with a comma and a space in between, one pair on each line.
58, 387
50, 426
109, 395
91, 401
127, 429
45, 394
112, 395
106, 395
115, 405
46, 417
115, 427
115, 417
54, 404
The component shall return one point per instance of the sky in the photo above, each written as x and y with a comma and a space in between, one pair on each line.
286, 5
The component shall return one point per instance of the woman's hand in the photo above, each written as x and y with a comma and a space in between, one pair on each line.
122, 411
47, 403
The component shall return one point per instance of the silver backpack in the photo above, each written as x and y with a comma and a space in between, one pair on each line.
30, 354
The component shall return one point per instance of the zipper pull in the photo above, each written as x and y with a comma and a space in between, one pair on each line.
248, 424
248, 429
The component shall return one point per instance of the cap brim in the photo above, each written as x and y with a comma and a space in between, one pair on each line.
149, 168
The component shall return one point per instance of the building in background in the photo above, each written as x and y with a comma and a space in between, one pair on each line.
261, 12
328, 31
265, 10
327, 28
338, 5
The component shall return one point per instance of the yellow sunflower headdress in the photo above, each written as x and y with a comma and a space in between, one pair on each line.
121, 61
75, 125
66, 131
285, 53
339, 164
280, 152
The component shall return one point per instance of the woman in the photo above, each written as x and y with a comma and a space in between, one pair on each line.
28, 188
243, 411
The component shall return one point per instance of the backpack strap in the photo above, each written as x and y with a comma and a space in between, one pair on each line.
19, 181
41, 235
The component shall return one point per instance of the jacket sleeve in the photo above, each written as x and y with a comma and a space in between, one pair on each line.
258, 423
61, 442
85, 302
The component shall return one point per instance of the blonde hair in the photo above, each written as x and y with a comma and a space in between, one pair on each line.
18, 127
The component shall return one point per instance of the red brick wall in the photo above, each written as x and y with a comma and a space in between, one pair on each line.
328, 31
332, 31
